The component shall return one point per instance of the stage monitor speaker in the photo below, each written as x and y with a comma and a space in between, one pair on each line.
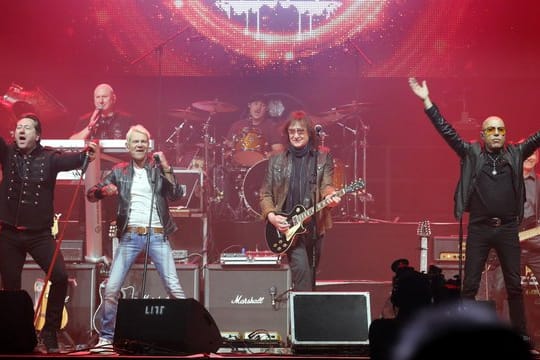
154, 288
164, 327
329, 320
17, 333
249, 302
80, 300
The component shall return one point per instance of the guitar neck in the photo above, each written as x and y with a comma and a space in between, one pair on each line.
423, 254
320, 205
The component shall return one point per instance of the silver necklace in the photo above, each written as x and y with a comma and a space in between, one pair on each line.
494, 163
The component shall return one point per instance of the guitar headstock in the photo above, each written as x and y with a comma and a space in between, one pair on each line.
356, 185
424, 228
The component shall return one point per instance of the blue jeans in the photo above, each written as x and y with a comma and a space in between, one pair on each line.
129, 247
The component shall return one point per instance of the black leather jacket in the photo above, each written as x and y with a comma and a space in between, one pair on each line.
472, 162
121, 175
27, 189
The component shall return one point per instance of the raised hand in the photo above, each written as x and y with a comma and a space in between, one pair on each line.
421, 90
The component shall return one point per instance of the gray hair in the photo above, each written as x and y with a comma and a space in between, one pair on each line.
139, 129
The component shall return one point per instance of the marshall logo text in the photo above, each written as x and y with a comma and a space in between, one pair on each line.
241, 300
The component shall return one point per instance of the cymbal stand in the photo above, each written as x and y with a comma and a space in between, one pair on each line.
365, 196
176, 144
176, 131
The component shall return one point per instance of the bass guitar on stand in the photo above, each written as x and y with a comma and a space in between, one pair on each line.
279, 242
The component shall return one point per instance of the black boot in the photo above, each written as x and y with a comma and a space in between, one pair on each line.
50, 341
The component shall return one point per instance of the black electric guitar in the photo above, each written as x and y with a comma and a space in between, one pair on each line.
281, 242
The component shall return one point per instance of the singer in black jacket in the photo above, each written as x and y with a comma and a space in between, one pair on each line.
143, 190
105, 122
491, 189
26, 214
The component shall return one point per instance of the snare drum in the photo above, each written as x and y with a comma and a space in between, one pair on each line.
249, 147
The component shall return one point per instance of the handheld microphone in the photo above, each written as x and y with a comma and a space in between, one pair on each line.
87, 151
157, 160
273, 293
319, 130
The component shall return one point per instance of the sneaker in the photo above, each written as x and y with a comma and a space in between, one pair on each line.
103, 346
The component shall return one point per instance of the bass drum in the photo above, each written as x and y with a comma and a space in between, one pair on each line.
251, 186
340, 178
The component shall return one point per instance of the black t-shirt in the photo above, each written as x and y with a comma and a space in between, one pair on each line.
108, 127
493, 195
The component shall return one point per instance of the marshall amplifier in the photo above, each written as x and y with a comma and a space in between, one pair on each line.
249, 303
80, 302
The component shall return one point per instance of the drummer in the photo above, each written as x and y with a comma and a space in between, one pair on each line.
255, 137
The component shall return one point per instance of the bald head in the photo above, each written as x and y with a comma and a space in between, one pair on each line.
493, 133
104, 98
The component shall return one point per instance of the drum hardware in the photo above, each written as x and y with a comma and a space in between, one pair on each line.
339, 115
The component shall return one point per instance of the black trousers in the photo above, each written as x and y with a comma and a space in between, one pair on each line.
14, 244
505, 241
301, 257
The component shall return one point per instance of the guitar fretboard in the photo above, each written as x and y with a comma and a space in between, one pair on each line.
320, 205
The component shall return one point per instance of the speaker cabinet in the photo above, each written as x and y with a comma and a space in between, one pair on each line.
164, 327
240, 300
17, 333
80, 300
329, 319
154, 288
446, 248
379, 292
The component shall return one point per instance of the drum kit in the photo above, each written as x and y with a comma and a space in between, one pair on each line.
228, 168
234, 170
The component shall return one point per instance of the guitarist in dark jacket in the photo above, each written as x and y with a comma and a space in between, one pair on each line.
491, 189
289, 183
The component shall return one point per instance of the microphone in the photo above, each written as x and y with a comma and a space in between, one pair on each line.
157, 160
273, 293
87, 151
319, 130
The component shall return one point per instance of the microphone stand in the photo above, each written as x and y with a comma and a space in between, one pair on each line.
159, 49
315, 235
155, 177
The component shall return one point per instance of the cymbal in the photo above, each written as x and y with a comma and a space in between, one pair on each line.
214, 106
326, 118
185, 115
351, 108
